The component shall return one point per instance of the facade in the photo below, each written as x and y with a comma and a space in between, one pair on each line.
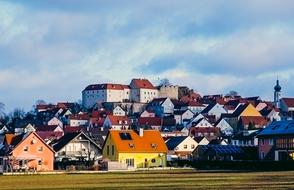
182, 117
276, 141
118, 111
98, 93
161, 106
26, 152
168, 91
181, 147
214, 109
116, 122
142, 91
76, 147
79, 120
225, 127
144, 150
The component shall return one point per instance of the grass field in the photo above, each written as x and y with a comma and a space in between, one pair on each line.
180, 179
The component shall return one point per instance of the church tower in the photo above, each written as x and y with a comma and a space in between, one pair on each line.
277, 93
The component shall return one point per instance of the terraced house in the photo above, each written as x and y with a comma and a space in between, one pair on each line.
132, 150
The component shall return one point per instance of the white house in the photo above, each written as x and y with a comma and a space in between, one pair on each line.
76, 146
25, 129
55, 121
203, 122
183, 116
107, 92
195, 107
194, 120
162, 106
146, 113
142, 91
224, 127
118, 111
116, 122
214, 109
77, 120
181, 147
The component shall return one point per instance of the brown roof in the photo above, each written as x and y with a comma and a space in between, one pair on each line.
143, 83
104, 86
150, 142
79, 117
150, 121
289, 101
119, 120
257, 120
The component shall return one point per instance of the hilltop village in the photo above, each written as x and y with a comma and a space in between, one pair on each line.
121, 127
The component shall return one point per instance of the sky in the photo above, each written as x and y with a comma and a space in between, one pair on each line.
53, 49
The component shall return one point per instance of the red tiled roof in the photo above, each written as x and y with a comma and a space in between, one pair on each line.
47, 128
289, 101
50, 135
119, 120
142, 83
257, 120
150, 121
79, 117
97, 121
204, 130
69, 129
105, 86
194, 103
65, 105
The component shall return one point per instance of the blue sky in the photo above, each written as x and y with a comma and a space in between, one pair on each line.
52, 49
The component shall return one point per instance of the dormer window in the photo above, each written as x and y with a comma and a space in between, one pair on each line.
26, 149
131, 145
153, 145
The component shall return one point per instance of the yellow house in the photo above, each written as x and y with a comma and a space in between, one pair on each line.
143, 150
250, 110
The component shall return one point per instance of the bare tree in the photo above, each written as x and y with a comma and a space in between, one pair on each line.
233, 93
2, 110
164, 82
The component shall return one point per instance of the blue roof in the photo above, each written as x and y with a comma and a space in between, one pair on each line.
279, 128
173, 142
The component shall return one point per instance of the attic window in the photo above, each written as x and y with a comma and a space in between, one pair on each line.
131, 145
153, 145
125, 136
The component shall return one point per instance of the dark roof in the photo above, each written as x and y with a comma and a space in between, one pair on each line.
279, 128
198, 139
265, 111
65, 140
239, 110
208, 108
289, 101
222, 149
173, 142
245, 135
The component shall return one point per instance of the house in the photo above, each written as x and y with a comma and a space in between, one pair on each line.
225, 127
271, 114
154, 123
276, 141
214, 109
183, 116
76, 146
146, 113
26, 152
142, 91
195, 119
49, 133
3, 129
55, 121
203, 122
128, 148
161, 106
208, 132
251, 122
116, 122
194, 106
245, 138
243, 110
287, 108
201, 140
180, 147
107, 92
24, 129
118, 111
81, 119
218, 142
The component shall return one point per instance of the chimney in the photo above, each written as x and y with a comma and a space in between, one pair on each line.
141, 132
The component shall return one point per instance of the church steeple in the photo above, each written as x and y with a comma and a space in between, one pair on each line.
277, 93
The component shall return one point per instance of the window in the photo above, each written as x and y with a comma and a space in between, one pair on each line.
262, 155
130, 162
262, 141
107, 150
185, 146
112, 150
192, 146
40, 149
153, 160
271, 141
26, 148
1, 161
39, 162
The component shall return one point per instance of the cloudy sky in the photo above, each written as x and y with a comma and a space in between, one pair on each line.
52, 49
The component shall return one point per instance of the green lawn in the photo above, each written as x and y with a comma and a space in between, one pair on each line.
180, 179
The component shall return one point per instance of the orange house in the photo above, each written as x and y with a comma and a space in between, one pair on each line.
26, 152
